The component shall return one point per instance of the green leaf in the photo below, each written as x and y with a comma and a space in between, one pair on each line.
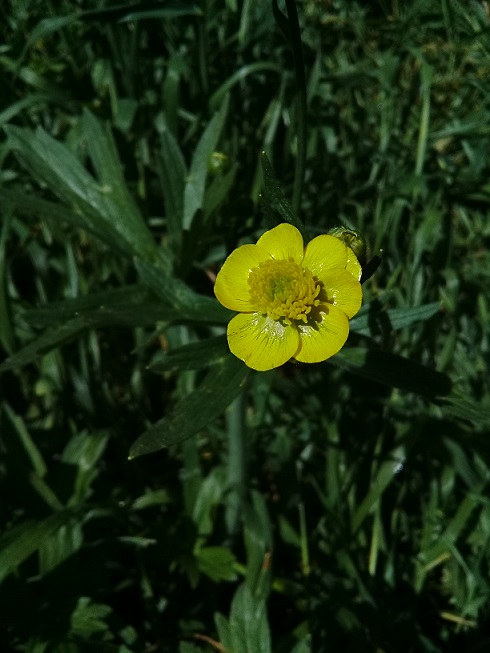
89, 618
373, 319
248, 623
447, 539
275, 198
221, 385
32, 206
7, 337
46, 342
151, 498
216, 562
238, 77
174, 175
131, 13
125, 314
60, 545
178, 9
258, 543
17, 107
196, 181
46, 27
218, 190
187, 647
381, 480
188, 304
16, 426
247, 630
303, 646
19, 543
52, 163
135, 298
194, 356
127, 306
394, 371
83, 451
468, 409
120, 208
224, 632
209, 495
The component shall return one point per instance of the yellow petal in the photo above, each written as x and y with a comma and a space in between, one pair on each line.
231, 287
261, 343
283, 242
325, 253
353, 265
343, 290
318, 344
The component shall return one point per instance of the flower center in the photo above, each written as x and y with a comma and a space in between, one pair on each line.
283, 289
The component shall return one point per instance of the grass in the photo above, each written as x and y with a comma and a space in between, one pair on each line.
333, 507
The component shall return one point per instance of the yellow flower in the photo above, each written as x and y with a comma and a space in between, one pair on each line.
293, 301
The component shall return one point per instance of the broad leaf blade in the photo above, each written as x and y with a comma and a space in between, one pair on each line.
222, 384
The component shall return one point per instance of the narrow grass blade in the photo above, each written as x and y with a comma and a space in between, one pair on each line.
22, 541
174, 175
275, 198
222, 384
194, 356
188, 304
373, 320
394, 371
196, 180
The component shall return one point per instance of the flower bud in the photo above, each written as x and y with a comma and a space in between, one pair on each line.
218, 162
352, 239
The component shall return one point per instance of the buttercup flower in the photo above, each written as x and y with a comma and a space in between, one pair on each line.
293, 301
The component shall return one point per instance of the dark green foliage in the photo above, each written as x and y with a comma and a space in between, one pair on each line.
316, 508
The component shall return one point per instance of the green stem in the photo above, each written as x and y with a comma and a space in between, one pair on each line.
303, 533
236, 462
202, 49
295, 34
426, 73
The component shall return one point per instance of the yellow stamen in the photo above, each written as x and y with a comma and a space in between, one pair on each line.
283, 289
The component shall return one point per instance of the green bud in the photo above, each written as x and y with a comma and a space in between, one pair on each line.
352, 239
218, 162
